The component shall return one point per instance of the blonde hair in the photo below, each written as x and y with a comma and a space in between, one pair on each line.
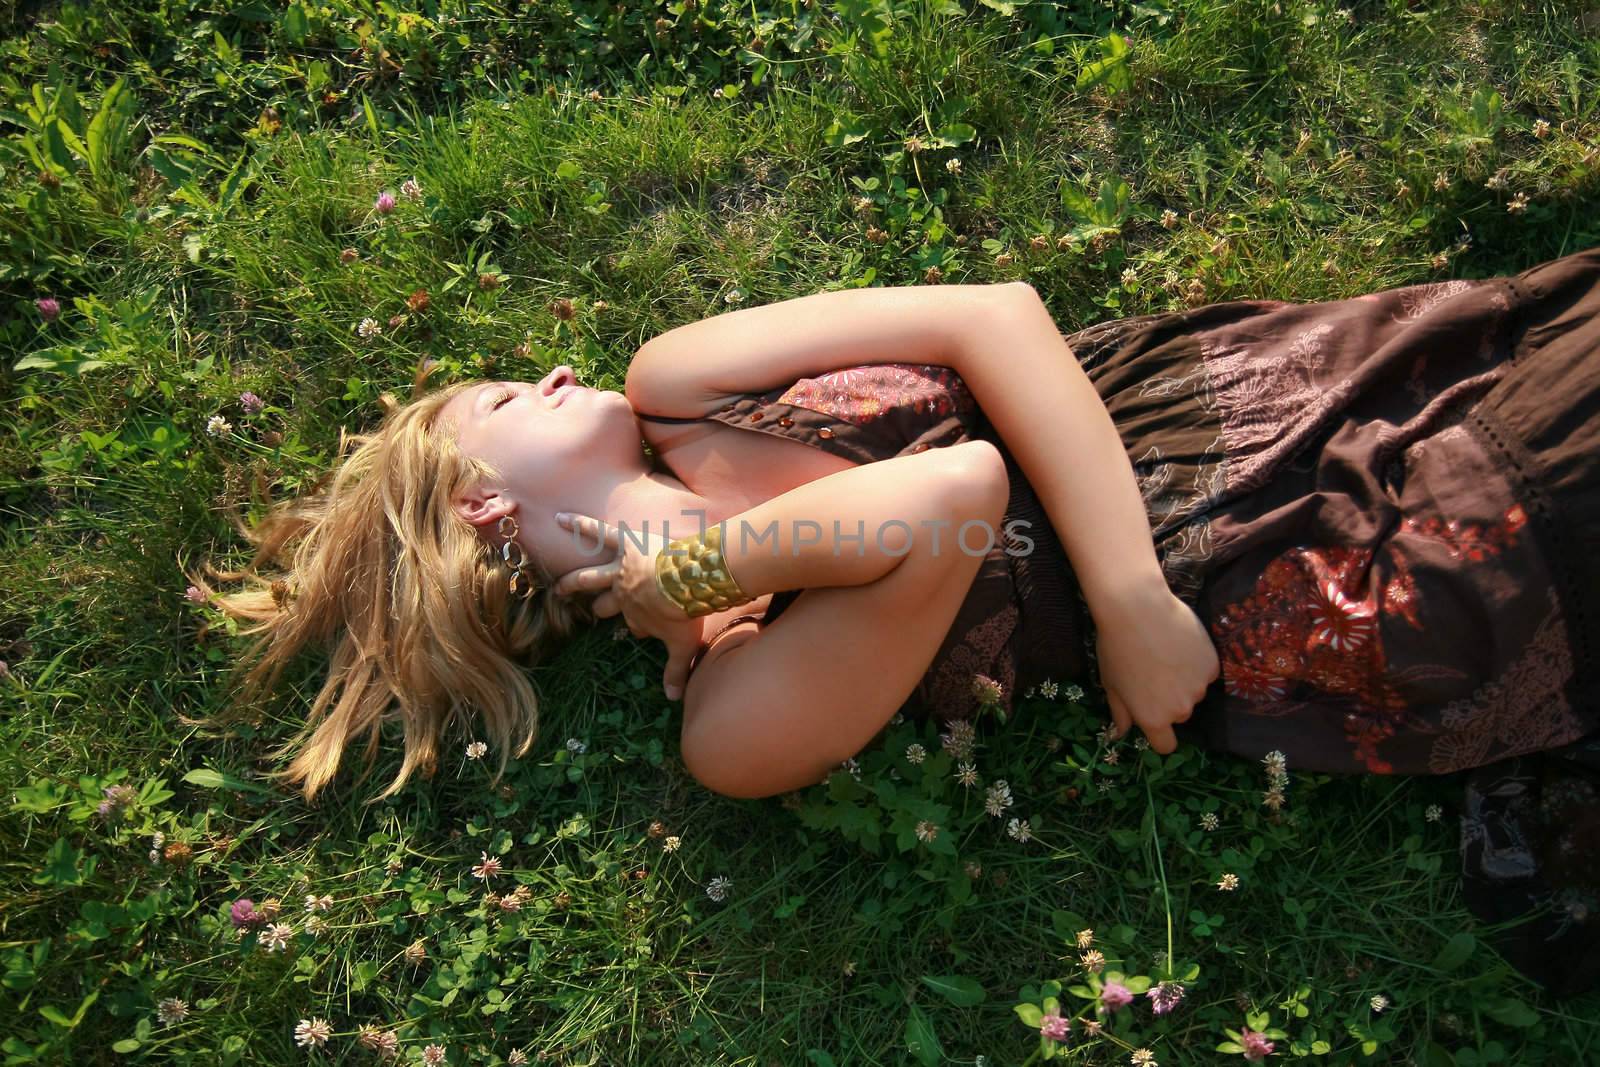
423, 626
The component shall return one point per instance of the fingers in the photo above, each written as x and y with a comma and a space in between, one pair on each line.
587, 579
1162, 739
676, 677
594, 534
1161, 736
606, 605
1120, 716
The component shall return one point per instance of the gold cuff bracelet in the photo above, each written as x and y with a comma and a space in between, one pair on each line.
696, 578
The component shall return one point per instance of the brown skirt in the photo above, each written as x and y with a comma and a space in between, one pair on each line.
1385, 511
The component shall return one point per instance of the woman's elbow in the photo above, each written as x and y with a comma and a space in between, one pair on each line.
726, 781
745, 777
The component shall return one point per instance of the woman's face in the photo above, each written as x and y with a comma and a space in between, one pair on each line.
548, 439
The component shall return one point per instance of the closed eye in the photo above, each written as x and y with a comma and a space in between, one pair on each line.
501, 398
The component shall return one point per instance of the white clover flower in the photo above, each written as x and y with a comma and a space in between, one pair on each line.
927, 831
998, 798
411, 189
1073, 692
1048, 689
319, 905
171, 1011
986, 690
960, 739
576, 747
717, 889
915, 753
1379, 1002
671, 843
1019, 830
386, 1043
275, 938
1434, 813
953, 165
1209, 821
967, 775
476, 750
216, 426
312, 1033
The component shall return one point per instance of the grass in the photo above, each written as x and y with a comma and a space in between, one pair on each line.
655, 173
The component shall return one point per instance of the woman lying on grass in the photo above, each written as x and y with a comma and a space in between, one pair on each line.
1350, 532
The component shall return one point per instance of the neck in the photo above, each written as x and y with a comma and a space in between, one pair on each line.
652, 502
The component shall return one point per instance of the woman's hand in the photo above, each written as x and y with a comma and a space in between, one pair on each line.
1156, 662
628, 587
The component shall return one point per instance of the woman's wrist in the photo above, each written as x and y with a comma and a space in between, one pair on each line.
693, 573
1127, 597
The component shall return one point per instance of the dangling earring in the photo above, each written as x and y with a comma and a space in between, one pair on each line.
507, 550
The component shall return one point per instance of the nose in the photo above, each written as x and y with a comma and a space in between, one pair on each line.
561, 375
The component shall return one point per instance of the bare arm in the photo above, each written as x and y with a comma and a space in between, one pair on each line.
877, 509
778, 711
781, 710
1004, 344
1156, 659
689, 370
1029, 384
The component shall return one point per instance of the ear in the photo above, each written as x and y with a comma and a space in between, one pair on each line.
483, 507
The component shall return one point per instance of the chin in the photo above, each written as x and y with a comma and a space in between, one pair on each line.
608, 399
